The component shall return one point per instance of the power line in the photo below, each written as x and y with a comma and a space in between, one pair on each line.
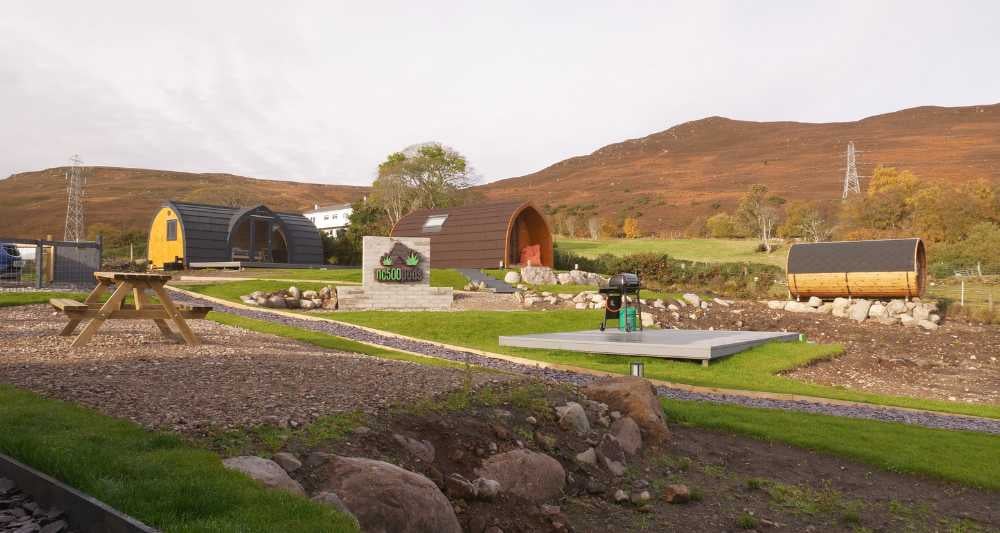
851, 181
75, 180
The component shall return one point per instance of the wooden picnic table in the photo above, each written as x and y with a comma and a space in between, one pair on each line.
115, 308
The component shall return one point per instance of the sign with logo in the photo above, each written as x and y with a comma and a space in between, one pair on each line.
400, 264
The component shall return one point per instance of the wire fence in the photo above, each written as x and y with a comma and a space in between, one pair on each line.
27, 264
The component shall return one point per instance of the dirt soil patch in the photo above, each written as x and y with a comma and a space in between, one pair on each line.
958, 362
237, 378
735, 482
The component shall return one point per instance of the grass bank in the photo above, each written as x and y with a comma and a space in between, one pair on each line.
972, 458
9, 299
154, 477
330, 342
756, 369
702, 250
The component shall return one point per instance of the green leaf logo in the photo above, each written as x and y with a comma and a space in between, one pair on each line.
413, 259
386, 260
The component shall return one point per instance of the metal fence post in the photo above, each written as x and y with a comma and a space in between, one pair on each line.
39, 256
962, 297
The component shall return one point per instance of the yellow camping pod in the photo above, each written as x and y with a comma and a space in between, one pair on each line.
211, 236
890, 268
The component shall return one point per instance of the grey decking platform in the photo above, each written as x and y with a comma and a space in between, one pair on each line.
669, 343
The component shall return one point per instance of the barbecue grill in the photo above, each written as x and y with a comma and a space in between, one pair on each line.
622, 302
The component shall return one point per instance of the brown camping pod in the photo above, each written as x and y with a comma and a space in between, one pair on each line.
891, 268
482, 236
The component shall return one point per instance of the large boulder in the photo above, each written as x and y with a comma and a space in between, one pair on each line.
840, 307
877, 310
267, 472
799, 307
512, 278
572, 417
815, 302
634, 397
692, 299
896, 307
294, 292
530, 475
538, 275
628, 434
421, 449
859, 311
611, 455
564, 278
388, 499
275, 300
776, 304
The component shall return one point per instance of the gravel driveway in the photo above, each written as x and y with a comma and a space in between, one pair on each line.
236, 379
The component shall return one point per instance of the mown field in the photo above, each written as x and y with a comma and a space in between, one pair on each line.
704, 250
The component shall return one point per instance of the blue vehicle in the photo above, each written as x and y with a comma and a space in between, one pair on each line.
10, 262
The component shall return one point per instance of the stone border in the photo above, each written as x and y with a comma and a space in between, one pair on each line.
84, 513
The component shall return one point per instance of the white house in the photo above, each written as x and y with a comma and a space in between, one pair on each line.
331, 219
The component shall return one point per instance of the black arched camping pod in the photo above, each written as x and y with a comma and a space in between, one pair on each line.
890, 268
482, 236
193, 235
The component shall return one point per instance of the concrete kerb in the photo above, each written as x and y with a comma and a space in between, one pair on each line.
580, 370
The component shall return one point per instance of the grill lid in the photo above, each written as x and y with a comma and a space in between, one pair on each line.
625, 280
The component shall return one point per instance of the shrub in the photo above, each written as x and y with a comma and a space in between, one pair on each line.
664, 272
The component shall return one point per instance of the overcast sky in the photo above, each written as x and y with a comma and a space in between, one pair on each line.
322, 91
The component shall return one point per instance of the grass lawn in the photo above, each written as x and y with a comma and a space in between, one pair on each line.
755, 369
351, 275
972, 458
704, 250
9, 299
232, 290
154, 477
330, 342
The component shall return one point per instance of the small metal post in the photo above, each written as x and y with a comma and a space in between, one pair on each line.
635, 369
962, 300
39, 255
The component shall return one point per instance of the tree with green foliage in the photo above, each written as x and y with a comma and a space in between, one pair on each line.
806, 220
426, 176
366, 219
758, 213
722, 226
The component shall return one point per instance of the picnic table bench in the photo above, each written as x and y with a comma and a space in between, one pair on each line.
115, 308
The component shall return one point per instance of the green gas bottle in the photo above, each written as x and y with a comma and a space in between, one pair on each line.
627, 319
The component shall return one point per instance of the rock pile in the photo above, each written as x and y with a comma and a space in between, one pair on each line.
915, 313
293, 298
538, 275
19, 513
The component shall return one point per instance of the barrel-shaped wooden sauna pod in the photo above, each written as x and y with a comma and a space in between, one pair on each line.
891, 268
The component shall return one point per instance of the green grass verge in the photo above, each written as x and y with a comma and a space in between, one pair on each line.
324, 340
703, 250
9, 299
754, 369
972, 458
154, 477
232, 290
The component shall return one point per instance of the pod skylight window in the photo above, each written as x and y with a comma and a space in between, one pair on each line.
434, 223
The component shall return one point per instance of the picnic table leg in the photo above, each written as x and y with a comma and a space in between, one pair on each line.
93, 297
168, 305
139, 295
113, 304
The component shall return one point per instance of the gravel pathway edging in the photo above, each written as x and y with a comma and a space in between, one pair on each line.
872, 412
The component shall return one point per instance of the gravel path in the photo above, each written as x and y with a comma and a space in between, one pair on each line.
887, 414
235, 379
